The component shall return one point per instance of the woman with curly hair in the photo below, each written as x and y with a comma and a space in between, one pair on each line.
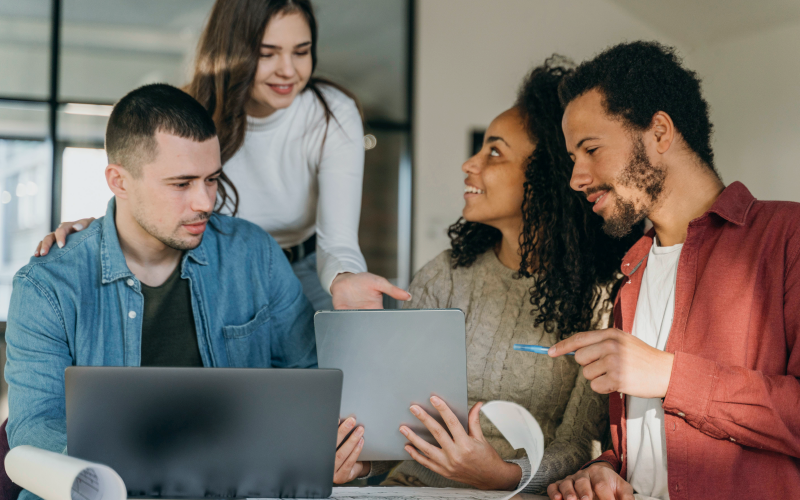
529, 264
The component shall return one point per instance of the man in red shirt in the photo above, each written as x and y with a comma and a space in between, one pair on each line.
702, 366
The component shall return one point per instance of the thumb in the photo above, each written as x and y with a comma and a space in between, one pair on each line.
474, 421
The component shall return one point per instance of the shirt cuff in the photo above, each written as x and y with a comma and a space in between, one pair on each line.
690, 387
608, 457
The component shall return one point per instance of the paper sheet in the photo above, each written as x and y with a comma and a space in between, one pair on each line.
521, 430
54, 476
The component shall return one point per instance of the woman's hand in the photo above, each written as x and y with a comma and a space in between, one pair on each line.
466, 458
347, 466
59, 236
363, 291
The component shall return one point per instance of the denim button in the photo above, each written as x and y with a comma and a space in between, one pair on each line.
129, 282
132, 314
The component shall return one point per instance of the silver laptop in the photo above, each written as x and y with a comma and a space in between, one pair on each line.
391, 359
207, 432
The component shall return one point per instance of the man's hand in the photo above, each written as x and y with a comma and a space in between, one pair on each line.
613, 360
59, 236
598, 481
347, 467
466, 458
363, 291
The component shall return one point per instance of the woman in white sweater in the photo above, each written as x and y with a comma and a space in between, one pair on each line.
292, 145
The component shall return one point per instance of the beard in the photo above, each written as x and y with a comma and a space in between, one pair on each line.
639, 174
172, 240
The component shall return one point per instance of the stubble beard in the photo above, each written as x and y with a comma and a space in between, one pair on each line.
642, 175
172, 240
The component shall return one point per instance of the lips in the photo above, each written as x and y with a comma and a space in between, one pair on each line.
597, 199
196, 228
282, 89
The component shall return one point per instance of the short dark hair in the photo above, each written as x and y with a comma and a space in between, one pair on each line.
639, 79
131, 129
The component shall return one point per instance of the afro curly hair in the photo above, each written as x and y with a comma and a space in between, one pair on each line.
562, 243
639, 79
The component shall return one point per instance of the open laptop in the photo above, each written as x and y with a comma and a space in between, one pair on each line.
391, 359
207, 432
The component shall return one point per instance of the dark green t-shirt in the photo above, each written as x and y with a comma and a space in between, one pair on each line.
169, 337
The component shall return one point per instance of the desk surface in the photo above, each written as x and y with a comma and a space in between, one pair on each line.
405, 493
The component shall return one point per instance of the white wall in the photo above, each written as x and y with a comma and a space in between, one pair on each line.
471, 57
753, 86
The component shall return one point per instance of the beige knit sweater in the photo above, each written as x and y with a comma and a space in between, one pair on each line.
498, 315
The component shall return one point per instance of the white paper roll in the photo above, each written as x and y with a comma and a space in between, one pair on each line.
520, 429
53, 476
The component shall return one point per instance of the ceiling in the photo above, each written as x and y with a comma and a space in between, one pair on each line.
696, 23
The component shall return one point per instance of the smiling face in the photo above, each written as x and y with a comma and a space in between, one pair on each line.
284, 65
173, 196
612, 165
496, 174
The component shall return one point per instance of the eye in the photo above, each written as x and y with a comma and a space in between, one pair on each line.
494, 152
590, 151
267, 56
302, 53
213, 180
182, 185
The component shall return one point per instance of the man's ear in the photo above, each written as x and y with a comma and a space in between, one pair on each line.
118, 180
663, 131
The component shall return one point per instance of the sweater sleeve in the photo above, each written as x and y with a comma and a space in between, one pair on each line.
340, 175
584, 420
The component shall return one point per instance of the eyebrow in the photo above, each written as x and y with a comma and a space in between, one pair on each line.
278, 47
584, 140
190, 177
494, 138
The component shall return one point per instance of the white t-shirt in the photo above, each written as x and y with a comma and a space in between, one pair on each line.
655, 308
292, 187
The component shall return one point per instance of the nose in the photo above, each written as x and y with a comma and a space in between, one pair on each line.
471, 166
286, 66
204, 197
581, 178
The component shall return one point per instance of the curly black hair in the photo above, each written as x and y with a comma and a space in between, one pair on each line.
562, 244
639, 79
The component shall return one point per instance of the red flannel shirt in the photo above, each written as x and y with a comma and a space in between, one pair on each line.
732, 409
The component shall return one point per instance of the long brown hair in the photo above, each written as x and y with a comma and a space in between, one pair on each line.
227, 59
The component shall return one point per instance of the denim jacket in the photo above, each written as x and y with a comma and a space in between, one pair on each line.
82, 306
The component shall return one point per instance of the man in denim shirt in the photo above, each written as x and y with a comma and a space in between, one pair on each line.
233, 301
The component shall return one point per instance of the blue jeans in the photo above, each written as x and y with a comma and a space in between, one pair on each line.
306, 271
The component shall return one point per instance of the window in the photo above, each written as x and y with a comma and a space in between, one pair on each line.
52, 124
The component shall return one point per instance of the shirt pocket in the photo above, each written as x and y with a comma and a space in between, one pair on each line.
248, 345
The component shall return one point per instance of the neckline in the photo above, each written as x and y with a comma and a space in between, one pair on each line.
492, 262
267, 123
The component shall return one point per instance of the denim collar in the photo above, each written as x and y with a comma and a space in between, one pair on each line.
112, 260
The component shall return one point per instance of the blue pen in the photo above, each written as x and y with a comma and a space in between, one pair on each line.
538, 349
